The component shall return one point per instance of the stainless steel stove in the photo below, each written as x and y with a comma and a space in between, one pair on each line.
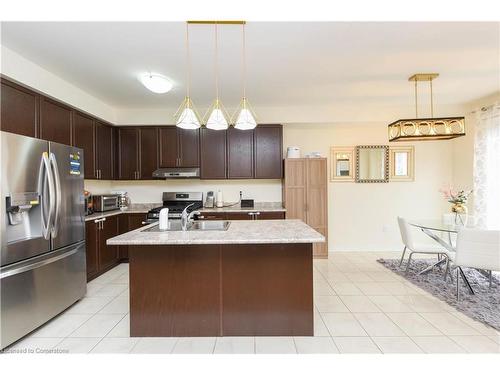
176, 202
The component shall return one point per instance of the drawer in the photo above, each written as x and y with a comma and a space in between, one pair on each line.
212, 216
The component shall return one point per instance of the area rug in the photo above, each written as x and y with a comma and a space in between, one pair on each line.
483, 306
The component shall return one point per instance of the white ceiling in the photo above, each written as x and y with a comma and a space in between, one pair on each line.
355, 66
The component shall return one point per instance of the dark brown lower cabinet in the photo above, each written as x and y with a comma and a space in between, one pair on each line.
108, 255
270, 215
126, 223
100, 256
92, 247
221, 290
212, 216
242, 215
238, 216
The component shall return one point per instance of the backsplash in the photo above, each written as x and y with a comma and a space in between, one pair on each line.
151, 191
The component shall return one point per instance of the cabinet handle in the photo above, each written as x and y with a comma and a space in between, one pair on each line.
257, 213
251, 213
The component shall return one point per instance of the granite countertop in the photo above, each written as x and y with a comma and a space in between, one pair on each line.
138, 208
145, 207
258, 206
239, 232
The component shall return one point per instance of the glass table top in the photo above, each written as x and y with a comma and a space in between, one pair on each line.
439, 225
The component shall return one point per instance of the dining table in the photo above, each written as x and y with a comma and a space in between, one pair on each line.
437, 229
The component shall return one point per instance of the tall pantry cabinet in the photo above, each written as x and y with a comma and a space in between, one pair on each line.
305, 196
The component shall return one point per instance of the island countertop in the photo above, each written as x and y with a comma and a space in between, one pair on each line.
239, 232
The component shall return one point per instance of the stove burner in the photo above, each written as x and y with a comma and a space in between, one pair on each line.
176, 202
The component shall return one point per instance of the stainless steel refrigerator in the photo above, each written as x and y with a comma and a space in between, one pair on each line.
42, 259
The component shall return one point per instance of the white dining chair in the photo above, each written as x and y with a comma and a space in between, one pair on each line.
414, 248
478, 249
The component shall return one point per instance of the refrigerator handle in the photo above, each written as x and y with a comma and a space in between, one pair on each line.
42, 178
53, 162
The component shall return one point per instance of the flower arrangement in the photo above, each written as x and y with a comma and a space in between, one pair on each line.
458, 198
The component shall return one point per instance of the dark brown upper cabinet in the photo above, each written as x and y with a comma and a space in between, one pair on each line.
240, 153
189, 147
169, 146
268, 144
128, 153
213, 156
55, 121
148, 152
104, 146
19, 109
84, 138
179, 147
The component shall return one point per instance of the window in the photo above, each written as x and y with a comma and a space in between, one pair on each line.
487, 168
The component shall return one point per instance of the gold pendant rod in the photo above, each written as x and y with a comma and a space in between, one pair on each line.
432, 101
416, 100
217, 22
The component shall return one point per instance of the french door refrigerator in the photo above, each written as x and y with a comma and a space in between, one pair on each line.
42, 236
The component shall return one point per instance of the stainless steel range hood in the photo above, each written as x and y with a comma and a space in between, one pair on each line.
177, 173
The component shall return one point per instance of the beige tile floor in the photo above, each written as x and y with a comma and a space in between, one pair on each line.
360, 307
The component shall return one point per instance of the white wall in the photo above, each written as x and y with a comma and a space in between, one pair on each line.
363, 216
24, 71
151, 191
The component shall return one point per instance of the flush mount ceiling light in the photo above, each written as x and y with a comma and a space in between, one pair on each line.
156, 83
433, 128
186, 116
217, 115
245, 118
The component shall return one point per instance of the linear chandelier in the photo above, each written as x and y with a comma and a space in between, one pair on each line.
216, 117
420, 129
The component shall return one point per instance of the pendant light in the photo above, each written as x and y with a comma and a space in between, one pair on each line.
245, 118
186, 116
432, 128
217, 115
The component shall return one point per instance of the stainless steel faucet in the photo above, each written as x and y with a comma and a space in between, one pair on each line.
187, 218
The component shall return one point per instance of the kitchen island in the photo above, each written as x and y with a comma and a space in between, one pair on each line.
253, 279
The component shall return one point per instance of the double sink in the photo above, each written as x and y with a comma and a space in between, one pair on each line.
202, 225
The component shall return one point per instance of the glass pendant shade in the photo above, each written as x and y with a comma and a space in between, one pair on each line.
217, 119
245, 119
187, 119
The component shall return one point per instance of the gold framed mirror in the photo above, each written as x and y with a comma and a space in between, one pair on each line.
342, 164
372, 164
